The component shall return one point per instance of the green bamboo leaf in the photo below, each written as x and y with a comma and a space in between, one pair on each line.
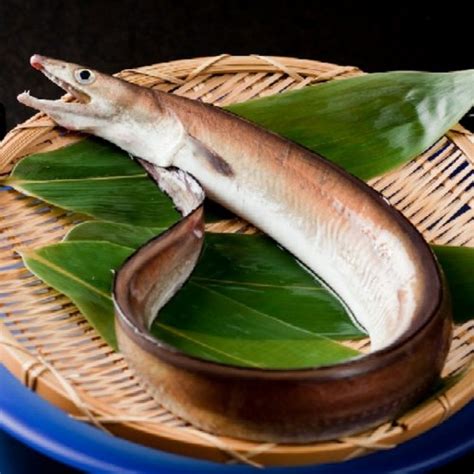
370, 124
458, 267
250, 299
95, 178
247, 302
456, 262
249, 269
120, 234
83, 272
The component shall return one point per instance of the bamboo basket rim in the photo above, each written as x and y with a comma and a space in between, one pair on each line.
219, 79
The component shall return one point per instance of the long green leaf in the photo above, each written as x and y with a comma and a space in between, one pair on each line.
247, 303
456, 262
95, 178
120, 234
83, 272
369, 124
249, 298
249, 269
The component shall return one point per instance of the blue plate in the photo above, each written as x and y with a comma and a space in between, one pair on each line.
44, 427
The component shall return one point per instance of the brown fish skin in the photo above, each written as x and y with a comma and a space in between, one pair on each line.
294, 406
332, 222
290, 407
311, 195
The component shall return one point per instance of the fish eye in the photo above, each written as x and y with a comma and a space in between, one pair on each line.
84, 76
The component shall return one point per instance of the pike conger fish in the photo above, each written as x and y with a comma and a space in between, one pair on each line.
335, 224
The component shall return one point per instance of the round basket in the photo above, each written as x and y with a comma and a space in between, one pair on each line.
49, 345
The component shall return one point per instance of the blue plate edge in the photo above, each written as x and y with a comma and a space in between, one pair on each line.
87, 448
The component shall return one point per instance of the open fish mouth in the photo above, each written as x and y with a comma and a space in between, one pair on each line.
76, 93
41, 64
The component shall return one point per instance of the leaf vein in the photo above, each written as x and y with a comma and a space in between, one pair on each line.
297, 328
21, 182
263, 285
62, 271
196, 341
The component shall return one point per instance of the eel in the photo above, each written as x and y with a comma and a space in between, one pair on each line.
333, 223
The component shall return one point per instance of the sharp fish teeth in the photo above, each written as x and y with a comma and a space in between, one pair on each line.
63, 84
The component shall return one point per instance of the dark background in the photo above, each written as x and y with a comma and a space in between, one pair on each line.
111, 35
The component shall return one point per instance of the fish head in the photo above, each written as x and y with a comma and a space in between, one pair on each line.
100, 99
106, 106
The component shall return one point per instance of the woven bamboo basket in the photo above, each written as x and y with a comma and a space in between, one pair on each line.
49, 345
